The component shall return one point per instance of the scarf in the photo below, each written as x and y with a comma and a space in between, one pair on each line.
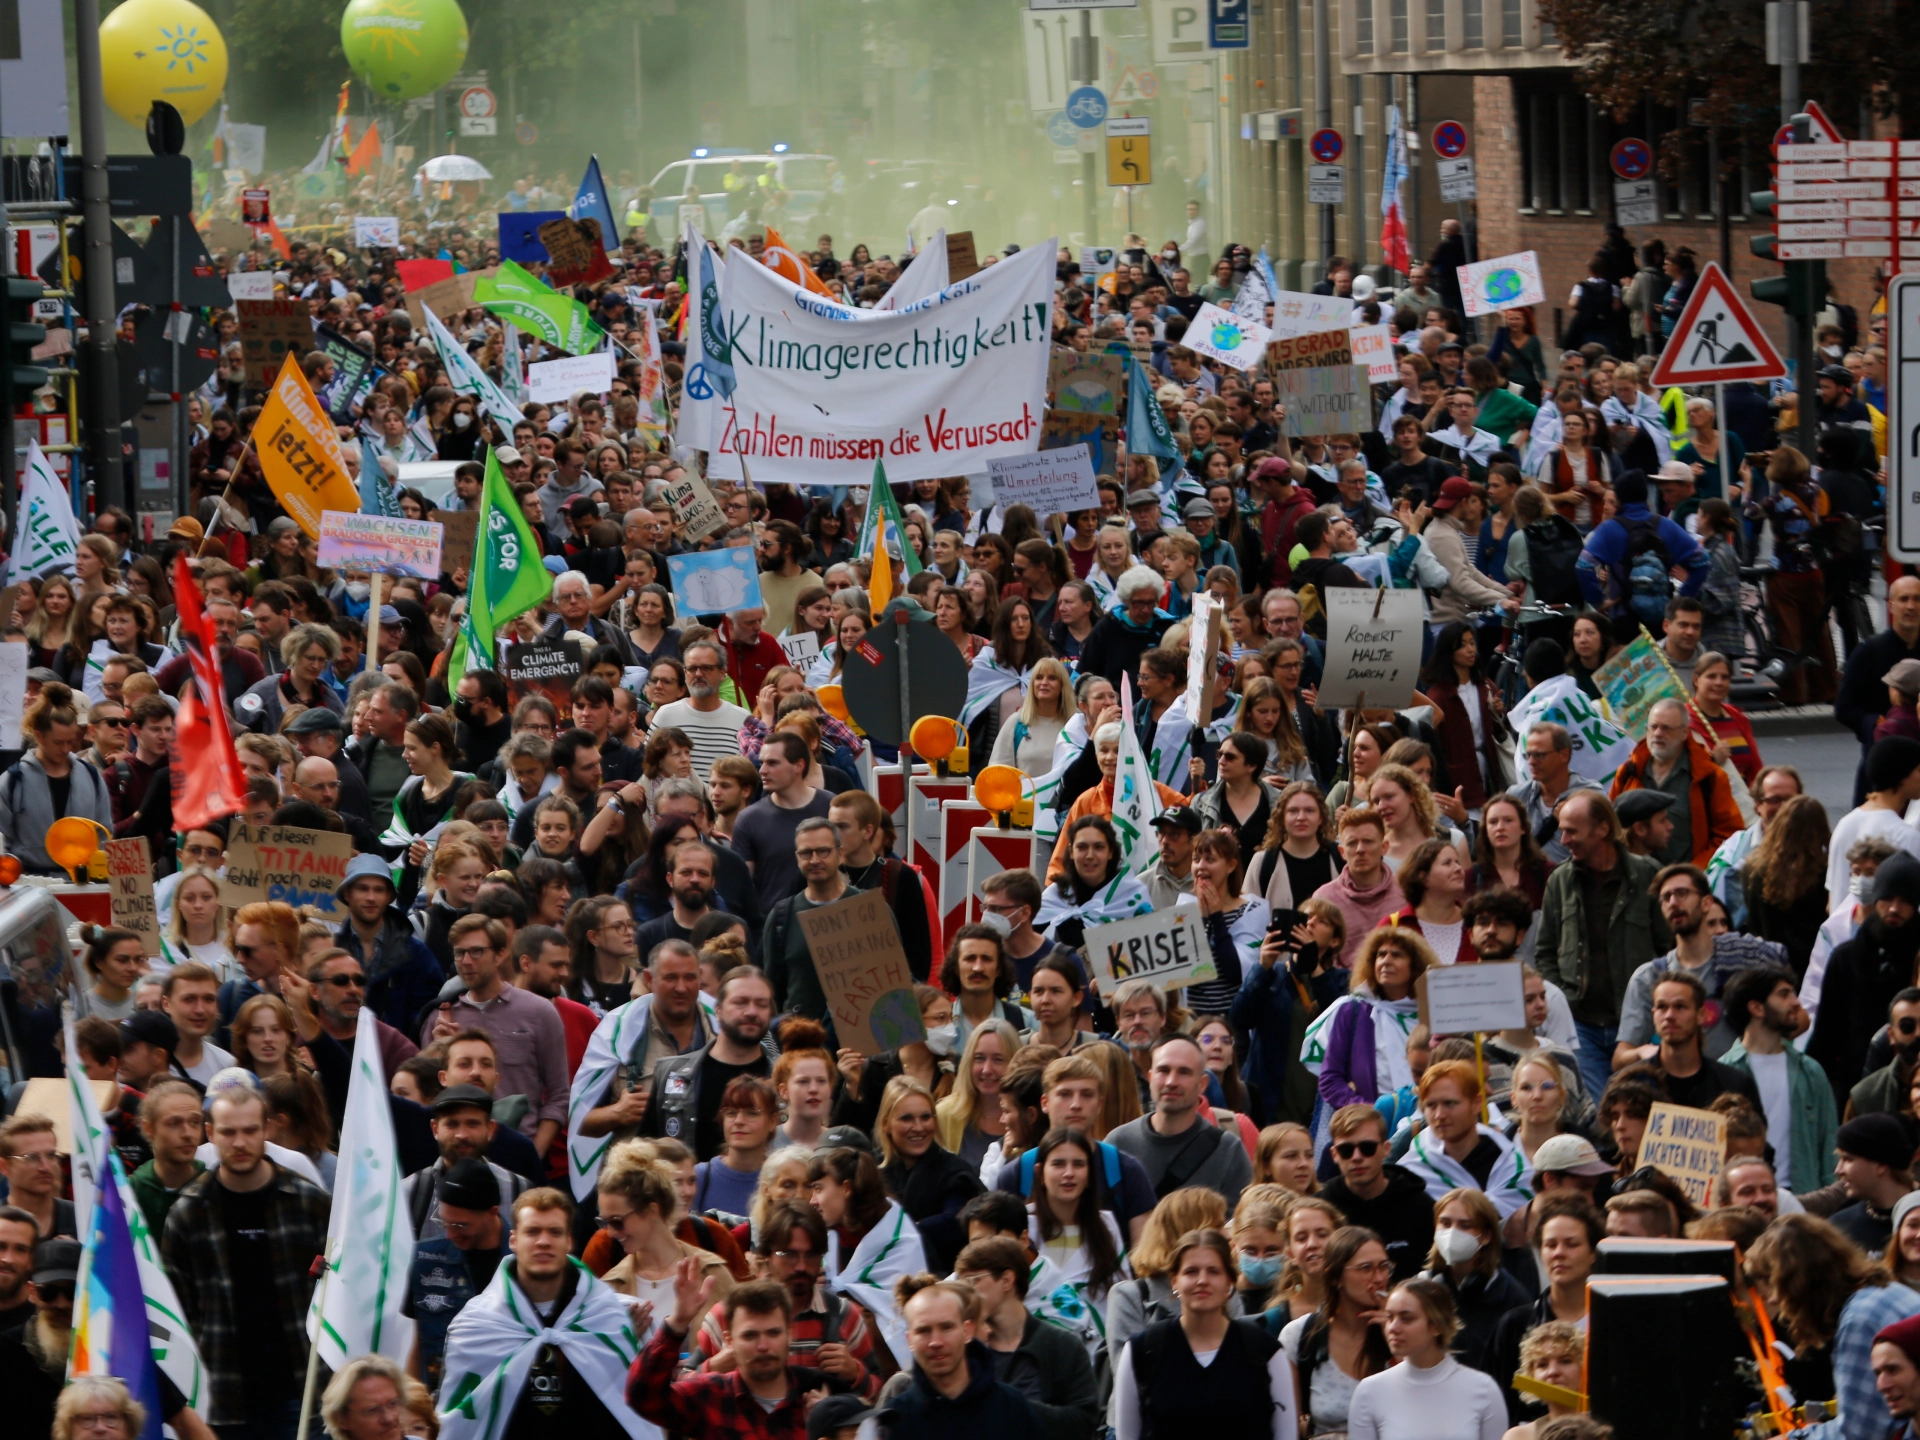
614, 1043
885, 1253
1393, 1021
1441, 1173
1069, 1299
1067, 748
1121, 899
494, 1341
509, 795
987, 681
397, 831
1647, 415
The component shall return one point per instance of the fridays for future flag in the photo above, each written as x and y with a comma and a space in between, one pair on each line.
516, 295
370, 1231
508, 579
110, 1334
1136, 803
49, 533
467, 377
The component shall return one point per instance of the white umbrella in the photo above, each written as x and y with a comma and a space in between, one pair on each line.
455, 167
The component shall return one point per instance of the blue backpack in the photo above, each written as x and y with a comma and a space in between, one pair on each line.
1647, 587
1109, 1164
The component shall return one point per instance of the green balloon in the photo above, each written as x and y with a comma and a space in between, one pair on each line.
404, 48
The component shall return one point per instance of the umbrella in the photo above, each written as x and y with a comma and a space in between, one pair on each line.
455, 167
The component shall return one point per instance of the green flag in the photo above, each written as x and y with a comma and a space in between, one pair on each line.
516, 295
882, 508
507, 580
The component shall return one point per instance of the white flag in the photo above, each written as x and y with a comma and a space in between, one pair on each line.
1136, 803
89, 1130
49, 533
370, 1232
464, 375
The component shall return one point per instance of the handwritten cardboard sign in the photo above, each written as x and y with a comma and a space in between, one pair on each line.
800, 648
1325, 399
391, 545
1090, 384
1373, 647
694, 507
284, 862
863, 969
1301, 352
47, 1095
270, 330
459, 528
1099, 433
961, 259
1051, 482
130, 879
1168, 947
1690, 1145
1465, 999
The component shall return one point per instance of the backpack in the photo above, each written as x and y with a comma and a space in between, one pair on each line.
1109, 1165
1647, 563
1553, 551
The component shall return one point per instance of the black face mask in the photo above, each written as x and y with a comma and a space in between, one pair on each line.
463, 710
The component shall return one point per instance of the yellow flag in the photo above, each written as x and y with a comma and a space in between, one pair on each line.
300, 452
880, 583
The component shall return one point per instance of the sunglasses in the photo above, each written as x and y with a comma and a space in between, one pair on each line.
1907, 1025
1347, 1149
347, 982
118, 722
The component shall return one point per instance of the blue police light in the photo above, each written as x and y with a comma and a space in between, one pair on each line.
700, 152
780, 149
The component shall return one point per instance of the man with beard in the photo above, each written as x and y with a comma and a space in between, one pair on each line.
543, 963
339, 988
1500, 916
710, 723
1670, 759
1689, 1077
676, 1025
1866, 973
687, 1088
788, 960
690, 883
1682, 893
480, 712
783, 550
18, 1235
1801, 1115
462, 1128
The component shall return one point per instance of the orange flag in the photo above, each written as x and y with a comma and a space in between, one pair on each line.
298, 449
367, 153
783, 260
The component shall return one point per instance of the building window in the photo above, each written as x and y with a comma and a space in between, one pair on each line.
1473, 27
1510, 24
1401, 37
1437, 25
1363, 27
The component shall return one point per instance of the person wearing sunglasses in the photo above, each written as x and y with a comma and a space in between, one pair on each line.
107, 733
1390, 1201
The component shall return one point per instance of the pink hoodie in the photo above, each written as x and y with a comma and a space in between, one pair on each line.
1364, 909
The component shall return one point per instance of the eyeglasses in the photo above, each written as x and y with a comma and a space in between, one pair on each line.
349, 982
1366, 1149
798, 1257
202, 852
45, 1159
481, 952
610, 925
247, 952
113, 1421
701, 669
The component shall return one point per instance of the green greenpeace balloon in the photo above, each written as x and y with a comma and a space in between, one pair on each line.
404, 48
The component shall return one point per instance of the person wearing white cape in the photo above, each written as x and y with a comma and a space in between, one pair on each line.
870, 1241
546, 1337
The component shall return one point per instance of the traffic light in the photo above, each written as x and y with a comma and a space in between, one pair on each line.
23, 333
1801, 287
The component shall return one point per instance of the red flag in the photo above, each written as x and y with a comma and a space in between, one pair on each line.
366, 154
207, 780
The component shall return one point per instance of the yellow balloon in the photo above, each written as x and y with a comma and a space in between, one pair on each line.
162, 50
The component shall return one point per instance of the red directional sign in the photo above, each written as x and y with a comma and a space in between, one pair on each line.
1326, 146
1716, 339
1449, 139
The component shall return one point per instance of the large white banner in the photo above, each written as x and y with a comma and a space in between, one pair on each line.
937, 388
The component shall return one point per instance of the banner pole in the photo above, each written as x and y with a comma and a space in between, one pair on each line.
234, 475
373, 620
313, 1346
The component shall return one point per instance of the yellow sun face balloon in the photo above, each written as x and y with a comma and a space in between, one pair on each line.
162, 50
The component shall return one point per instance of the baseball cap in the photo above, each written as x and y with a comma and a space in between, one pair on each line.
468, 1182
835, 1413
1179, 817
153, 1027
1839, 374
390, 616
1674, 470
186, 528
844, 1137
506, 455
1904, 677
1452, 492
56, 1262
464, 1097
1567, 1155
315, 720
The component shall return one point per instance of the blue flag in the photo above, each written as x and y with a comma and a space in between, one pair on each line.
110, 1332
1147, 432
714, 341
520, 239
591, 203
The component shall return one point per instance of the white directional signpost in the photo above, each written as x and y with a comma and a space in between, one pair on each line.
1717, 339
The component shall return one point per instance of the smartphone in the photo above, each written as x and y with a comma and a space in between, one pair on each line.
1284, 921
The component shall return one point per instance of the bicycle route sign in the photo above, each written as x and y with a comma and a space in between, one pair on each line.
1087, 108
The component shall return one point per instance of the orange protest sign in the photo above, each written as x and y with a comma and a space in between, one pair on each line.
300, 452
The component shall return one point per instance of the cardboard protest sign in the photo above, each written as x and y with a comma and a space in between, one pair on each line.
863, 969
1297, 313
1372, 346
1090, 384
1168, 947
1303, 352
445, 298
1690, 1145
1373, 647
576, 251
1506, 282
393, 546
285, 862
300, 452
1099, 433
549, 381
271, 331
1206, 629
716, 582
47, 1095
250, 284
130, 878
961, 259
1465, 999
1231, 339
460, 528
694, 507
1050, 481
1325, 399
800, 648
1632, 681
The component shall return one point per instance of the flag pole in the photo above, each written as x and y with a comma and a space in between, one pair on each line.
313, 1346
225, 494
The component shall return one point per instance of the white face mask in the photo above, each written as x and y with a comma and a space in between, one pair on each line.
461, 420
1457, 1245
943, 1040
358, 589
996, 922
1860, 886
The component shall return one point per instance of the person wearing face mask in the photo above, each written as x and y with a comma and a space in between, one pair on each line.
1466, 1259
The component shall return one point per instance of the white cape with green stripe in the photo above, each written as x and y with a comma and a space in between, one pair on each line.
611, 1046
888, 1251
1441, 1173
494, 1341
987, 681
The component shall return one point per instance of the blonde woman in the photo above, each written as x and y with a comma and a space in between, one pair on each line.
1259, 1252
97, 565
783, 1181
52, 623
1284, 1156
969, 1117
1555, 1352
1148, 1297
1027, 743
1302, 1290
199, 922
1537, 1101
97, 1407
639, 1202
930, 1183
1405, 805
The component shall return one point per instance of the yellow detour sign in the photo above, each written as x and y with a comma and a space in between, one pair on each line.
1129, 153
300, 453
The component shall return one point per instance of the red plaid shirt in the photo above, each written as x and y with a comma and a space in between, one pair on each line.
806, 1333
713, 1404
